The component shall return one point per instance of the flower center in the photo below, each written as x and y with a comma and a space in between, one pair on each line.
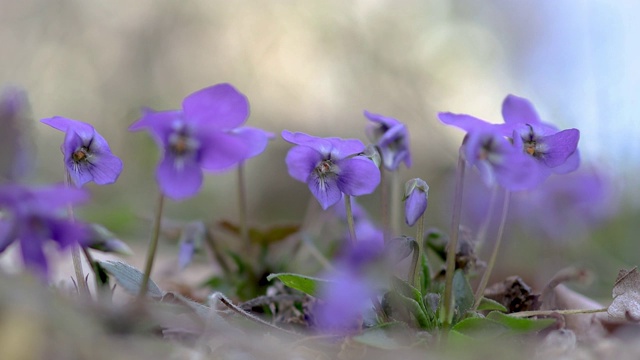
325, 168
181, 144
80, 155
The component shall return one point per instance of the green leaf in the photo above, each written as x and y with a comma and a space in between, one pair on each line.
407, 290
306, 284
413, 307
267, 236
488, 304
425, 276
520, 325
389, 336
463, 294
130, 278
479, 327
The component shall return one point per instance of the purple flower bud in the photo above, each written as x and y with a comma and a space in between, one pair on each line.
392, 138
416, 195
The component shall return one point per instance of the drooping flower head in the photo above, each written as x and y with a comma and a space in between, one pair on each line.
331, 167
202, 135
17, 154
391, 138
87, 155
33, 216
497, 160
416, 195
555, 151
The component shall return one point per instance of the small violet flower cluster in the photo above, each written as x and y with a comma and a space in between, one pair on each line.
520, 153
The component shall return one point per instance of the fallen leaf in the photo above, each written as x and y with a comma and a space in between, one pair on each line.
626, 296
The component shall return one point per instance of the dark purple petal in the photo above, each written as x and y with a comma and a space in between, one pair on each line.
383, 120
68, 233
54, 198
159, 123
394, 146
471, 124
220, 151
357, 176
301, 162
33, 254
324, 188
179, 178
84, 130
105, 168
321, 145
256, 139
518, 171
345, 147
572, 164
517, 110
220, 106
345, 297
559, 147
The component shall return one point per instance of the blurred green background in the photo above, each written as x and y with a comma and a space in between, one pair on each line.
314, 66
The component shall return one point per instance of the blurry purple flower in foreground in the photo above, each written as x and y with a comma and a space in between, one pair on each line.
416, 195
348, 293
87, 155
16, 160
569, 206
555, 151
33, 216
391, 138
203, 135
497, 160
331, 167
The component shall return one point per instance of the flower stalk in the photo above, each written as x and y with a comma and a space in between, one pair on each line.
352, 230
447, 314
242, 207
75, 250
153, 245
494, 254
419, 250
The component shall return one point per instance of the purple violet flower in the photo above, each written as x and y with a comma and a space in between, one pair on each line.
416, 195
348, 293
331, 167
203, 135
87, 155
555, 151
497, 160
391, 138
33, 216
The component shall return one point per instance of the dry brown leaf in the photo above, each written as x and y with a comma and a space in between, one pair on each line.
626, 296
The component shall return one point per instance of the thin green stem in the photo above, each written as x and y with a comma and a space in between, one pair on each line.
153, 245
453, 243
75, 250
352, 230
384, 203
522, 314
216, 253
482, 231
242, 207
494, 254
419, 236
396, 202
